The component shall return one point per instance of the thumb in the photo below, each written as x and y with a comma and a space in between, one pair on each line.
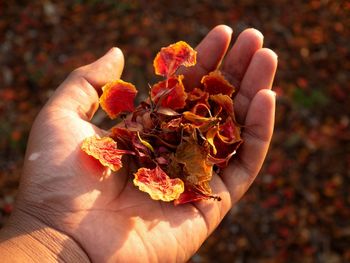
78, 94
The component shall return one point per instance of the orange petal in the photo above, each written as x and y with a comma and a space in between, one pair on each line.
225, 102
170, 93
170, 58
215, 83
197, 121
118, 96
158, 184
211, 134
194, 159
105, 150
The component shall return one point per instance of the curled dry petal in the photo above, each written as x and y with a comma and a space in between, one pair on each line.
178, 136
210, 136
229, 132
170, 93
225, 102
189, 196
197, 121
105, 150
158, 184
193, 193
222, 162
196, 96
224, 140
170, 58
215, 83
117, 97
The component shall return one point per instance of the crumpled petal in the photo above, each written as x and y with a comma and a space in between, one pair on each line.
194, 193
197, 121
170, 93
197, 96
189, 196
229, 132
158, 184
105, 150
194, 159
226, 141
215, 83
225, 102
117, 97
210, 136
170, 58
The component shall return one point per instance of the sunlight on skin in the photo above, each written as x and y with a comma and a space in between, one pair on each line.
111, 220
34, 156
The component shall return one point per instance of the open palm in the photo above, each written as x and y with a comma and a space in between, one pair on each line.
111, 219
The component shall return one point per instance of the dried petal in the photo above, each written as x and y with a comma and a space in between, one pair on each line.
170, 93
210, 136
158, 184
197, 121
170, 58
105, 150
222, 162
172, 125
215, 83
167, 112
197, 96
225, 102
122, 135
189, 196
118, 96
194, 193
194, 159
229, 132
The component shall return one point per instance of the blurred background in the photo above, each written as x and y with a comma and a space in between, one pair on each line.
299, 208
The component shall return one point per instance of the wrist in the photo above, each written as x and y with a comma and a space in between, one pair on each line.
26, 239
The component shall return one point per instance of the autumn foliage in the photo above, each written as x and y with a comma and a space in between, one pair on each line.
179, 137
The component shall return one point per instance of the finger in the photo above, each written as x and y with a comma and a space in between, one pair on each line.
79, 92
259, 75
209, 55
240, 55
257, 134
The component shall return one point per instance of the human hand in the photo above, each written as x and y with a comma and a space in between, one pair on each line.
110, 219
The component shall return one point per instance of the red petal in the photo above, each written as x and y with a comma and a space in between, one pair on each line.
170, 93
158, 184
197, 96
195, 193
215, 83
189, 196
105, 150
229, 132
117, 97
170, 58
226, 141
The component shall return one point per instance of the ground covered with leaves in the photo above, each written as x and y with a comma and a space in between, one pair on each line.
298, 210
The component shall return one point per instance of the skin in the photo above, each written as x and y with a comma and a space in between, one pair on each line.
62, 198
